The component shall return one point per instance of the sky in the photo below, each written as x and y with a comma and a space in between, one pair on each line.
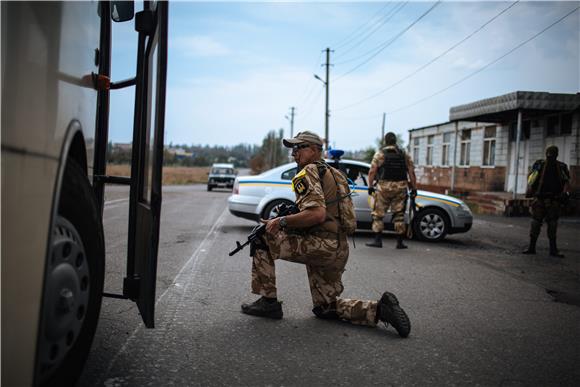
236, 68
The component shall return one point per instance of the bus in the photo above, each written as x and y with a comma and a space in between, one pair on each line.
56, 89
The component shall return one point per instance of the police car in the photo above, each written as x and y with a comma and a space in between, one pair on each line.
437, 215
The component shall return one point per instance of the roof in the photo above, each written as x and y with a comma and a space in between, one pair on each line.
430, 126
222, 165
505, 107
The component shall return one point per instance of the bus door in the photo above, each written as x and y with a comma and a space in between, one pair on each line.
146, 157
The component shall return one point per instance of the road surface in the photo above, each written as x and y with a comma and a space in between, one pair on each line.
480, 311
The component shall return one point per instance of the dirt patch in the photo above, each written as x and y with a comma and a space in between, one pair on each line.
171, 175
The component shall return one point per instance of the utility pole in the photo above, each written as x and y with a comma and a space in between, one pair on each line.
291, 119
326, 116
326, 84
383, 128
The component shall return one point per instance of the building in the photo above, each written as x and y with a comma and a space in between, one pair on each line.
476, 150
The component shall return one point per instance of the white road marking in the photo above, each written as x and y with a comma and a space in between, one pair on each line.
110, 202
193, 261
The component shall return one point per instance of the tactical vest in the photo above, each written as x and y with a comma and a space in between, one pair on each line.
394, 166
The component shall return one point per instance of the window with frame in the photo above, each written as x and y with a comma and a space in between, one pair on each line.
289, 174
416, 150
552, 126
355, 174
430, 150
525, 135
566, 123
465, 147
445, 148
489, 145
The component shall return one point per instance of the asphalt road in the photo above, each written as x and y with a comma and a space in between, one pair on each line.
480, 311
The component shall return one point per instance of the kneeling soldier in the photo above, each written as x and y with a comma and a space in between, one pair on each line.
316, 237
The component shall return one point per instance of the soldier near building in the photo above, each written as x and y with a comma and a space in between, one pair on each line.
316, 237
548, 185
395, 173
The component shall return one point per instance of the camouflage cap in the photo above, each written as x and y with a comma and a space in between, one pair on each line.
303, 137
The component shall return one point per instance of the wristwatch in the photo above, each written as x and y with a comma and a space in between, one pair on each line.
283, 223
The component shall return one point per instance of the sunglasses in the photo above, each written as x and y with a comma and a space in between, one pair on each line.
297, 147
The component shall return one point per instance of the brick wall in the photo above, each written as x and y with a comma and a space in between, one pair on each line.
438, 179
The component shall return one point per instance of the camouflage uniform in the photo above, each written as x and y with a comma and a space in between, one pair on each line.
323, 249
391, 194
546, 190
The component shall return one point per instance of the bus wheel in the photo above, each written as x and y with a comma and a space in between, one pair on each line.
73, 283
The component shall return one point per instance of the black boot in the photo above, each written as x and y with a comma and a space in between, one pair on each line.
264, 307
554, 249
532, 247
400, 244
390, 312
378, 242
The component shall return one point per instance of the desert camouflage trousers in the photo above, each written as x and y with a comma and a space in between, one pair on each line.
547, 209
391, 194
325, 260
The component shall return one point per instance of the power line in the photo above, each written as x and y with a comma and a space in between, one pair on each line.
308, 91
386, 18
351, 36
431, 61
312, 104
486, 66
388, 43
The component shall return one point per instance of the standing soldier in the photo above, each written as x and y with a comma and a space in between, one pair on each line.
548, 184
316, 237
395, 172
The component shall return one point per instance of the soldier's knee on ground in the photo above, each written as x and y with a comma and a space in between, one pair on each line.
326, 312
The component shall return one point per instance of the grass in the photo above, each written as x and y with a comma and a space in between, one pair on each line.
171, 175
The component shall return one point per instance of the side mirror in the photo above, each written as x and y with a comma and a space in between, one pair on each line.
122, 11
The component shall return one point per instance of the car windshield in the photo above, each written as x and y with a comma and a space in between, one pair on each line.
222, 171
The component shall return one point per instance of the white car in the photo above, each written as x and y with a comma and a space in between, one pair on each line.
437, 215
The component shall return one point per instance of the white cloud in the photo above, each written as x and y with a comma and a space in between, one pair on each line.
202, 46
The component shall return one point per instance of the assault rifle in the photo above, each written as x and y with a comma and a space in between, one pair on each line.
281, 210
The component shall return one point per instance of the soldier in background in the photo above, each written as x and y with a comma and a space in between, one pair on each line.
314, 237
548, 184
394, 172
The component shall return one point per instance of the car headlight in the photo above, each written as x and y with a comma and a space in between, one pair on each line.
464, 207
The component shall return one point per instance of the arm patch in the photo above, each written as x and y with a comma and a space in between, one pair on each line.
300, 183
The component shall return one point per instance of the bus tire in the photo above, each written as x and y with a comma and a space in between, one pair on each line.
74, 279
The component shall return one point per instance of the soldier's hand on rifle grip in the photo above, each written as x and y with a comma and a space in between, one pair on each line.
371, 190
413, 193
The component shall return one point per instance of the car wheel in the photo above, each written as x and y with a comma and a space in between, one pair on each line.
431, 224
209, 187
269, 209
73, 284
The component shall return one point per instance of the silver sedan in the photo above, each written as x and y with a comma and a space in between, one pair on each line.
437, 215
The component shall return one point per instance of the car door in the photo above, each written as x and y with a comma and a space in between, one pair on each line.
357, 176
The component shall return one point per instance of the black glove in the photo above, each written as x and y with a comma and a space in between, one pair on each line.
413, 193
371, 190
